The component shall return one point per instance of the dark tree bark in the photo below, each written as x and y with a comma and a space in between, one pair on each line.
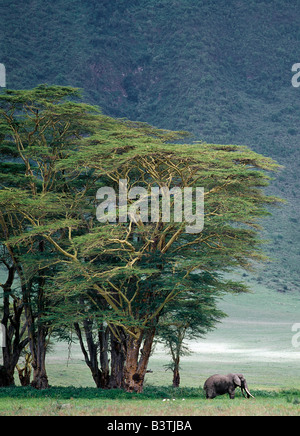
137, 360
38, 348
5, 377
103, 335
117, 360
100, 376
176, 378
12, 329
176, 360
109, 374
38, 331
37, 335
25, 372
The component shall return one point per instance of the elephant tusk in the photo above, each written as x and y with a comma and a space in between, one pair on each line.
248, 393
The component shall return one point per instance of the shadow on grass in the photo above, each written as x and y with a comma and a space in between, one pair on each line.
150, 392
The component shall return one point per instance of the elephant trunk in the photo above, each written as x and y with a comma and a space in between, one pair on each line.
242, 389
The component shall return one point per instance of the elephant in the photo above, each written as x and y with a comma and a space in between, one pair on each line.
225, 384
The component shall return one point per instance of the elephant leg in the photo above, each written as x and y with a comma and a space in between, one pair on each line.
210, 395
231, 394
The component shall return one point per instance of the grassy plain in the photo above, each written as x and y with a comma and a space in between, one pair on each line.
255, 339
155, 401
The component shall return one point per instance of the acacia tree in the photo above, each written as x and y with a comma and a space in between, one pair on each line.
139, 266
34, 132
155, 259
39, 128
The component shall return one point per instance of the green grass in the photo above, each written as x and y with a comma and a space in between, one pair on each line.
155, 401
255, 339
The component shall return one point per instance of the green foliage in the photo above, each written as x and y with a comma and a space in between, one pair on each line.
122, 274
219, 69
68, 149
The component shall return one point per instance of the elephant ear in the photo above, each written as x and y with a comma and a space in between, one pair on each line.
237, 380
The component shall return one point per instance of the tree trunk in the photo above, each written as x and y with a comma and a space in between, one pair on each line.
135, 368
38, 352
37, 335
12, 331
6, 377
104, 361
36, 327
40, 379
176, 378
25, 373
100, 377
117, 361
176, 361
132, 379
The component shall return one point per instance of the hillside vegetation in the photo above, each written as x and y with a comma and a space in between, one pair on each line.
219, 69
